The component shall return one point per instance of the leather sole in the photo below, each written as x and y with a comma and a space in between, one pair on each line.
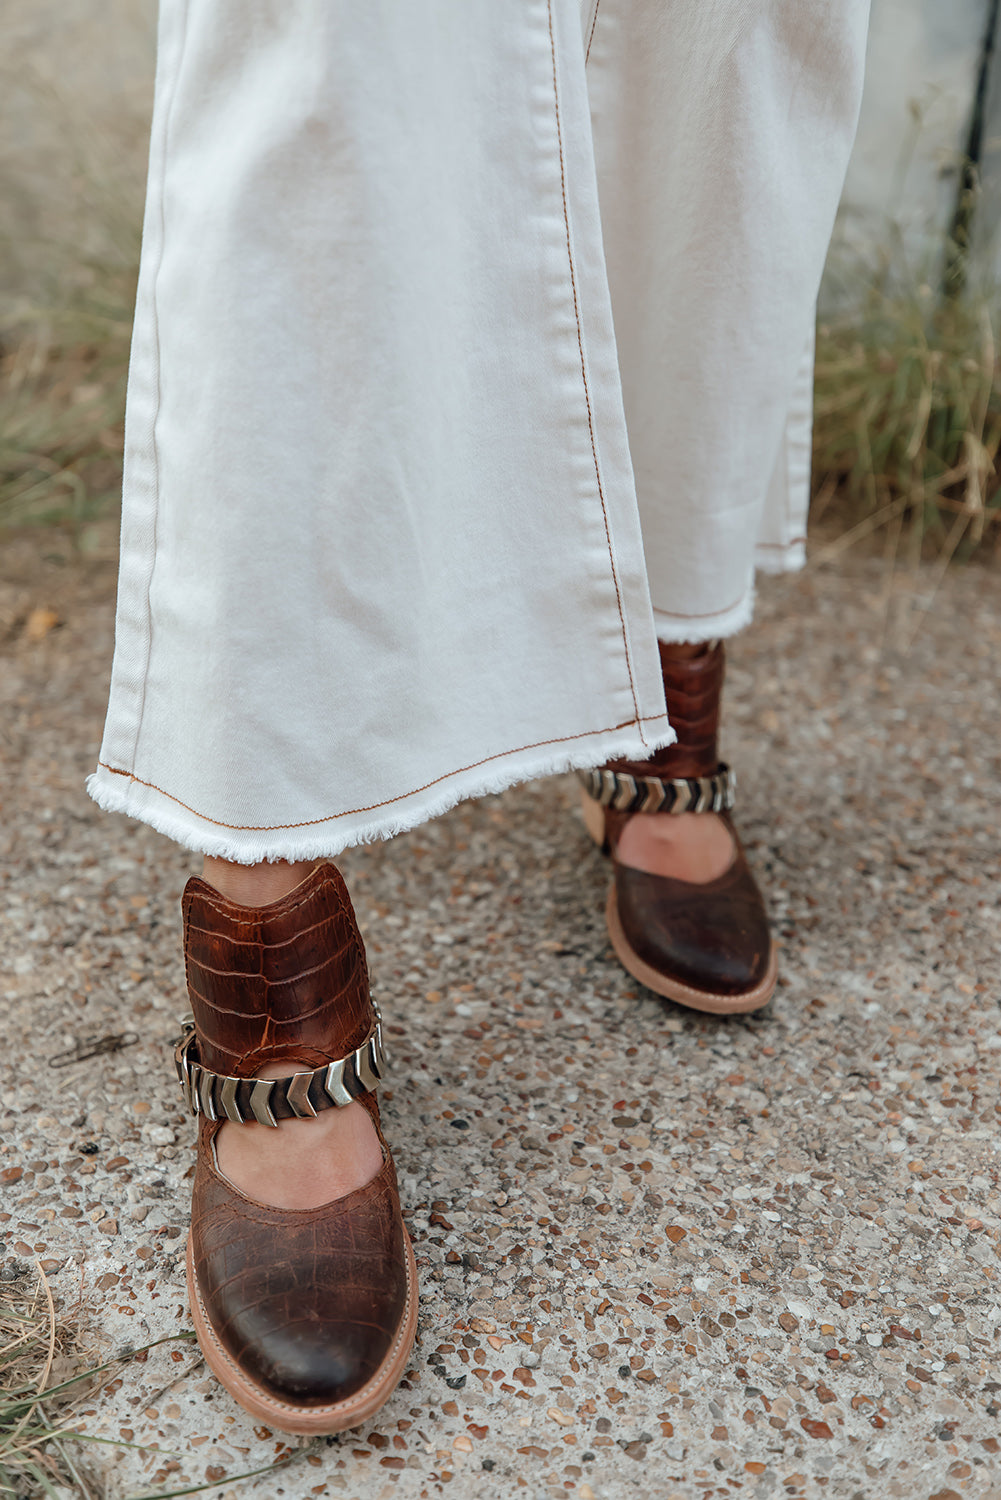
675, 989
308, 1421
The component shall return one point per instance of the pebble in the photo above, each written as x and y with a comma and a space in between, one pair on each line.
767, 1242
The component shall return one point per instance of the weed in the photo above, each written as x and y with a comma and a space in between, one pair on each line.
62, 402
908, 420
45, 1376
33, 1348
72, 147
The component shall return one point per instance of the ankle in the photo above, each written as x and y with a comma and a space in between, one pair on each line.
303, 1163
255, 885
694, 847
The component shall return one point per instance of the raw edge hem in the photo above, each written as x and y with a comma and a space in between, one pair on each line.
326, 840
775, 560
673, 631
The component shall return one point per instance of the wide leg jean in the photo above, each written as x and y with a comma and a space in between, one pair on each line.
473, 351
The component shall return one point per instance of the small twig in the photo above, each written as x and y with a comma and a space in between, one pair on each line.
52, 1328
214, 1484
823, 497
863, 529
171, 1383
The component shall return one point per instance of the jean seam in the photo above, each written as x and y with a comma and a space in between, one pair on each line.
389, 801
583, 371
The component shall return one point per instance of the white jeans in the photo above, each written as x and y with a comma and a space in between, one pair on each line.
404, 508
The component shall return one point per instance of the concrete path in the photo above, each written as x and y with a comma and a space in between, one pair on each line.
661, 1255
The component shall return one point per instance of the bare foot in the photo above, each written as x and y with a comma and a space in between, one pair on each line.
697, 847
304, 1163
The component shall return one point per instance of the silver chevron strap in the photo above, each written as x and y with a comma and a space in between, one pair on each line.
268, 1100
648, 794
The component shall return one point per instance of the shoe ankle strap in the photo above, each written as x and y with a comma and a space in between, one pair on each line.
634, 794
268, 1100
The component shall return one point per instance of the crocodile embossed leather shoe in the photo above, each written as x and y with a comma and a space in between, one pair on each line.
705, 944
307, 1315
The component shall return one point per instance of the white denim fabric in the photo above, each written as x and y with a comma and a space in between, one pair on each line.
381, 537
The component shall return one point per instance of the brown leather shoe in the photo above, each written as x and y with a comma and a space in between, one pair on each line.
707, 945
307, 1317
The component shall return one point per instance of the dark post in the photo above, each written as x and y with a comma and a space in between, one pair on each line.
957, 250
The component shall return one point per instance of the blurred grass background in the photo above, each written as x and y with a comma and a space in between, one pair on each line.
907, 419
75, 93
908, 399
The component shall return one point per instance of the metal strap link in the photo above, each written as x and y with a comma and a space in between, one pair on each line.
268, 1100
649, 794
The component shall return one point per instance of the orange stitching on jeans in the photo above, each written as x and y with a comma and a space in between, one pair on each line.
374, 807
594, 22
688, 615
583, 373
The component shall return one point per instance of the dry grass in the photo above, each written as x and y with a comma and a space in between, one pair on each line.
40, 1362
908, 423
46, 1375
908, 404
62, 402
908, 412
75, 85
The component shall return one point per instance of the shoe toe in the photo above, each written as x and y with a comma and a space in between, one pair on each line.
713, 938
304, 1306
305, 1361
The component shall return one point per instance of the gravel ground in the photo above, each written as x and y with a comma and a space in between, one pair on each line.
660, 1254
